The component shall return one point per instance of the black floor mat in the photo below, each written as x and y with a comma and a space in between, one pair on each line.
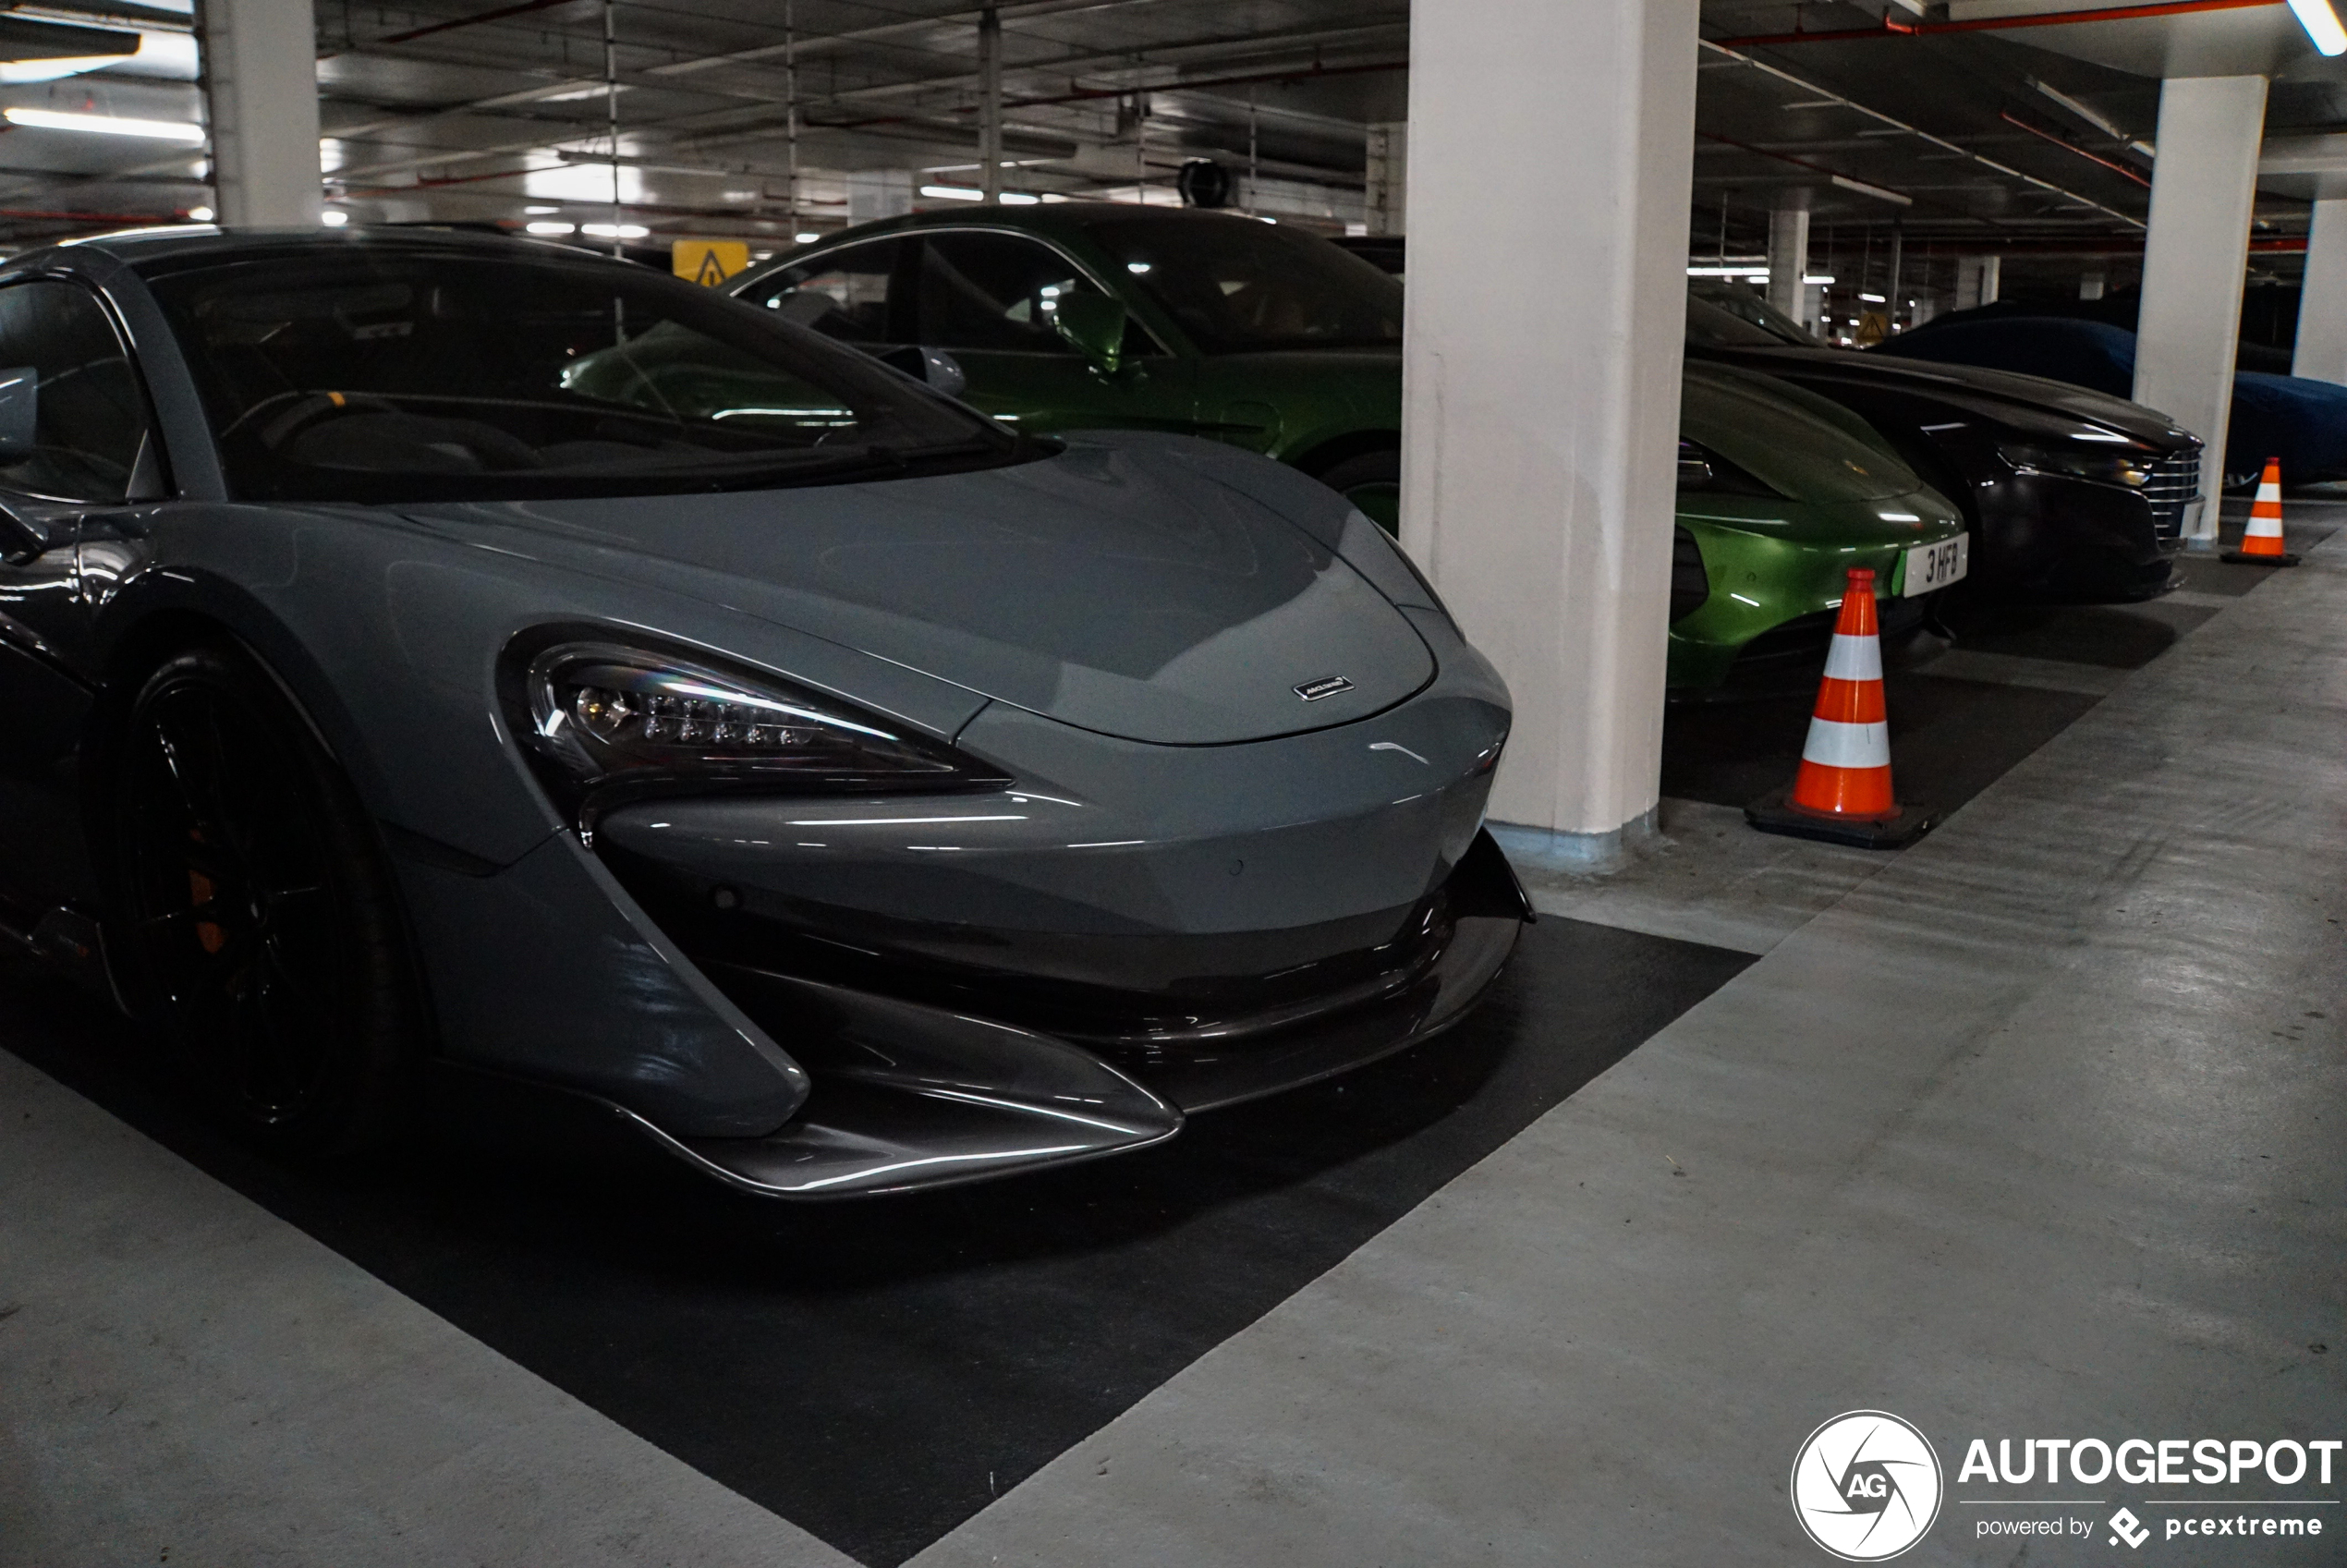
876, 1372
1949, 740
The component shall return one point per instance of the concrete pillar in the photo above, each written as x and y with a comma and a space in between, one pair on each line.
2196, 262
1979, 280
989, 103
1789, 262
2322, 305
1386, 195
261, 95
874, 194
1540, 424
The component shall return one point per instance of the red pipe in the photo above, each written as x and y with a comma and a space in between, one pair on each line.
1829, 174
1990, 24
2067, 145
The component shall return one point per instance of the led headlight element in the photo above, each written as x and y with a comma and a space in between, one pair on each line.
2130, 468
607, 713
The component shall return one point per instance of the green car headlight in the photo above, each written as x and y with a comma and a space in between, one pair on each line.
2130, 468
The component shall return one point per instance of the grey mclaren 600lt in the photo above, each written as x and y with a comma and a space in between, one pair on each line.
420, 646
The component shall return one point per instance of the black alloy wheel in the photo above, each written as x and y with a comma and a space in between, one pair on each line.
1373, 481
259, 924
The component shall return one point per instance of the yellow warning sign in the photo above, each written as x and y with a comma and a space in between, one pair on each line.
708, 261
1873, 327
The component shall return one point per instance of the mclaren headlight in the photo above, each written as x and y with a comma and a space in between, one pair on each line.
607, 719
2104, 464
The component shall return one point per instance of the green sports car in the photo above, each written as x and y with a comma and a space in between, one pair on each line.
1780, 493
1090, 315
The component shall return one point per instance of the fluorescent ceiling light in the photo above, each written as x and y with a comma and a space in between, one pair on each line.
539, 211
199, 214
16, 73
952, 193
105, 124
2321, 24
1874, 299
614, 231
547, 226
334, 218
2094, 117
1818, 278
807, 239
1877, 192
1019, 199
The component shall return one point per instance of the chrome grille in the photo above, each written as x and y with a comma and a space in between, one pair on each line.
2174, 484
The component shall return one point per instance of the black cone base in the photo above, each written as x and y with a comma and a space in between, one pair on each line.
1773, 813
2240, 559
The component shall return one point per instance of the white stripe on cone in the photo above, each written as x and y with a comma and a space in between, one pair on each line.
2268, 491
1835, 744
1854, 659
2264, 528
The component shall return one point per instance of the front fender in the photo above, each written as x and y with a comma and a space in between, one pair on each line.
388, 636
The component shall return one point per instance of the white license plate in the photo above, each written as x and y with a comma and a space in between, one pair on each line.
1933, 566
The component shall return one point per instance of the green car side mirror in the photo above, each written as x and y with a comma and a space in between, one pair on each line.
1095, 324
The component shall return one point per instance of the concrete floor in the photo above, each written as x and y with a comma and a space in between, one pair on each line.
2030, 1131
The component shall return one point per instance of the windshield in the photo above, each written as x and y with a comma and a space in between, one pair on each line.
1710, 327
1761, 324
375, 374
1237, 287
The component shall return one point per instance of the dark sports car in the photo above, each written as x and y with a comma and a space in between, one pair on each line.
2301, 420
417, 644
2069, 493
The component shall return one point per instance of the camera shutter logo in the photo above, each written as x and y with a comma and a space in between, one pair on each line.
1866, 1486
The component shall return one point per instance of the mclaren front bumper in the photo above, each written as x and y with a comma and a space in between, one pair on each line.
913, 1094
978, 984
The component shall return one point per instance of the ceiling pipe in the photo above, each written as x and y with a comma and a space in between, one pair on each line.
1991, 24
1940, 141
2064, 142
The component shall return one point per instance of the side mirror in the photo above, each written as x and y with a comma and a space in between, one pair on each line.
19, 413
936, 367
1094, 325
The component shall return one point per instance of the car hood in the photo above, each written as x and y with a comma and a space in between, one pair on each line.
1797, 443
1120, 587
1979, 386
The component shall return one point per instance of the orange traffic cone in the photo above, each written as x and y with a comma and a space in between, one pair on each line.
2261, 546
1842, 792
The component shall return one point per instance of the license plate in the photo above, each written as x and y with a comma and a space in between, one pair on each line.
1933, 566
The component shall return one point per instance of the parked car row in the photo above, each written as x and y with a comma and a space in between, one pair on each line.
1797, 460
2296, 418
427, 645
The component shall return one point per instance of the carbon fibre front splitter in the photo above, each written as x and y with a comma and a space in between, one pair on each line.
910, 1095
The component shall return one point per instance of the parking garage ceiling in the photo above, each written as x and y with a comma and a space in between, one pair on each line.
759, 118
